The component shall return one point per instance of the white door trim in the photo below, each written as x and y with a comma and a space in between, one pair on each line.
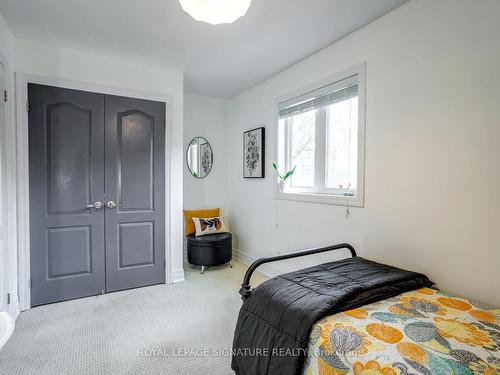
10, 173
23, 205
4, 253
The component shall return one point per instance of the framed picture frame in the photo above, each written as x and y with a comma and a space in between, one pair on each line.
254, 156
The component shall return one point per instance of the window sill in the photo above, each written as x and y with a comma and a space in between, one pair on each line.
338, 200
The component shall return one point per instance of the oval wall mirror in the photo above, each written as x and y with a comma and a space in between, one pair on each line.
199, 157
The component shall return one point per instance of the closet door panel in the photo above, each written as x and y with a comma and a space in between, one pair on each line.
66, 155
135, 193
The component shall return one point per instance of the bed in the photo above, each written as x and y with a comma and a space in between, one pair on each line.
355, 316
421, 332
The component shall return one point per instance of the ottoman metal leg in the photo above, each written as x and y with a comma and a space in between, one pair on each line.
202, 270
231, 264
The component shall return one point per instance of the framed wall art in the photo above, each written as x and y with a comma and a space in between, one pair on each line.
254, 153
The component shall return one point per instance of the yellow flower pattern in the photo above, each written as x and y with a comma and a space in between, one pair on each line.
422, 331
463, 332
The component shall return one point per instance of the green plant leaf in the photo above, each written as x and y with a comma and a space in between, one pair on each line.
289, 173
276, 169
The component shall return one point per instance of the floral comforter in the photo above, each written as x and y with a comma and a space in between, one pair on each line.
418, 332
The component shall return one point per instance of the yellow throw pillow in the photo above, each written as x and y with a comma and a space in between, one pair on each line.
189, 214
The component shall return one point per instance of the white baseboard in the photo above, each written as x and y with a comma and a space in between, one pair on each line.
178, 276
244, 258
248, 259
14, 310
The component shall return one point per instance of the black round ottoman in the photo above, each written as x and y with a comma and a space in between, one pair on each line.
209, 250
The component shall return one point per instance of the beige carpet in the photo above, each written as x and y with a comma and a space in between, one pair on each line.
186, 328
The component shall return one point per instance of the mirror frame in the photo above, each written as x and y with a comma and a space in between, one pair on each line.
211, 154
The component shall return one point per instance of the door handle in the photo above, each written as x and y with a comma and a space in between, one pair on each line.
111, 204
97, 205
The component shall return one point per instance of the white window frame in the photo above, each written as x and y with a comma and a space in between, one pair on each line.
326, 195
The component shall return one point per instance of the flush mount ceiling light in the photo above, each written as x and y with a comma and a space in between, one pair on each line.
216, 11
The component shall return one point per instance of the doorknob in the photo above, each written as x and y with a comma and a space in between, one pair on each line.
111, 204
96, 205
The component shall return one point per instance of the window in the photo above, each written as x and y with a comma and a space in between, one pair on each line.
321, 135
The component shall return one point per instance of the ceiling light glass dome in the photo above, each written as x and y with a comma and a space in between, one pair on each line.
216, 11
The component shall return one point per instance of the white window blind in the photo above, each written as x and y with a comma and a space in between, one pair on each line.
322, 97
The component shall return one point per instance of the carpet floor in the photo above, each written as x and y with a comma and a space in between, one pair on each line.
185, 328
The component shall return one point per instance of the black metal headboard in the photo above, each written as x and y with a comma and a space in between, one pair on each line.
246, 288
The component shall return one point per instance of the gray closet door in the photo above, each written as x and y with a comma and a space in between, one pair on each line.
135, 179
66, 153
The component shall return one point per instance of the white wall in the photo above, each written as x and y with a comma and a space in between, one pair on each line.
205, 117
6, 40
432, 201
8, 254
39, 59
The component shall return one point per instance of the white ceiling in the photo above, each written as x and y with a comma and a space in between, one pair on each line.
219, 61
